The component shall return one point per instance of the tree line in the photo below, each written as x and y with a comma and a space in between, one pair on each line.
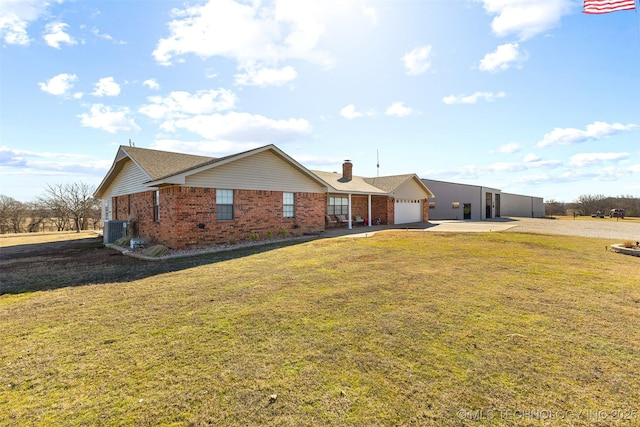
62, 207
589, 204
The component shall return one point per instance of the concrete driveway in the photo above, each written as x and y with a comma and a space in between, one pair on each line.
605, 229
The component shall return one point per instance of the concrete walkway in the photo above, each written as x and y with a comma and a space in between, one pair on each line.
430, 226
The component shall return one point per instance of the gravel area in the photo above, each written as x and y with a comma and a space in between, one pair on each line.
606, 228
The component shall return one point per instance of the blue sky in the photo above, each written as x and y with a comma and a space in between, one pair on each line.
529, 96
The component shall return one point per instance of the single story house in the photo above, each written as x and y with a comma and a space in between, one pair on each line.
183, 200
475, 202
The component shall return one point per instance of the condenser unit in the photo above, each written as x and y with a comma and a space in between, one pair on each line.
114, 230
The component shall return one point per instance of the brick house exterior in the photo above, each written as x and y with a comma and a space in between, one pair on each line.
171, 198
187, 215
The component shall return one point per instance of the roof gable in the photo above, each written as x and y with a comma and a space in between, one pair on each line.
378, 185
180, 177
152, 164
394, 182
158, 164
169, 168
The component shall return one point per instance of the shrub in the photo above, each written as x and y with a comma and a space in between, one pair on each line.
254, 235
283, 233
269, 234
628, 244
156, 251
123, 241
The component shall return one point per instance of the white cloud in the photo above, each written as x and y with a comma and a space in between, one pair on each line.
109, 119
180, 104
241, 127
24, 162
504, 57
55, 35
15, 17
531, 157
350, 112
96, 32
505, 167
256, 34
588, 159
472, 99
266, 76
151, 84
510, 148
417, 61
106, 86
594, 131
525, 18
59, 85
398, 109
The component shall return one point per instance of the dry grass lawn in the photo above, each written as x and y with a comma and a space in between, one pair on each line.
395, 329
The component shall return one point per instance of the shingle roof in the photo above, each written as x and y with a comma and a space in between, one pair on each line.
162, 164
357, 184
158, 164
389, 183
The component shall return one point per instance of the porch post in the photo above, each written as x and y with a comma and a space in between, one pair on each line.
350, 211
369, 210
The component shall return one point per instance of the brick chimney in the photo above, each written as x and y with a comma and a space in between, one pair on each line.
347, 170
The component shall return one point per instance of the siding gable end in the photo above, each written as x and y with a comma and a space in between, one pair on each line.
261, 171
129, 180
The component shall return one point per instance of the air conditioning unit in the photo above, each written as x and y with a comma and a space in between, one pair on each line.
114, 230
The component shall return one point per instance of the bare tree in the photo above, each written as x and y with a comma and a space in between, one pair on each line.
70, 202
553, 207
588, 204
38, 216
13, 215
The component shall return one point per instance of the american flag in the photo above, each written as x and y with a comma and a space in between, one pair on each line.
606, 6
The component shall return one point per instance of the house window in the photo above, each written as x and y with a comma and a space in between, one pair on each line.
455, 205
115, 208
432, 205
338, 206
129, 205
156, 205
224, 205
288, 207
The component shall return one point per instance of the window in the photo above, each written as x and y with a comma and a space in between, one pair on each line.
338, 206
288, 206
224, 205
455, 205
156, 205
432, 205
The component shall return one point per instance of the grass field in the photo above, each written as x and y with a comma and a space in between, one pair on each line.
397, 329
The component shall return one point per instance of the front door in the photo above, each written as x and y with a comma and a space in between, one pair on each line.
466, 209
497, 205
487, 209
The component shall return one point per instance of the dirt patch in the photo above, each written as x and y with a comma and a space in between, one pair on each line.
52, 265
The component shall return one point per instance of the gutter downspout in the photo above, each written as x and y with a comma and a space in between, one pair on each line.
350, 221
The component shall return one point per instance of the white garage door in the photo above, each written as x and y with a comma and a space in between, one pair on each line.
408, 210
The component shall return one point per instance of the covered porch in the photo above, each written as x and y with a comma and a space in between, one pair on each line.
356, 209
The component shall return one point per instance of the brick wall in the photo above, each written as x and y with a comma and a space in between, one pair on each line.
382, 207
425, 209
138, 210
184, 210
